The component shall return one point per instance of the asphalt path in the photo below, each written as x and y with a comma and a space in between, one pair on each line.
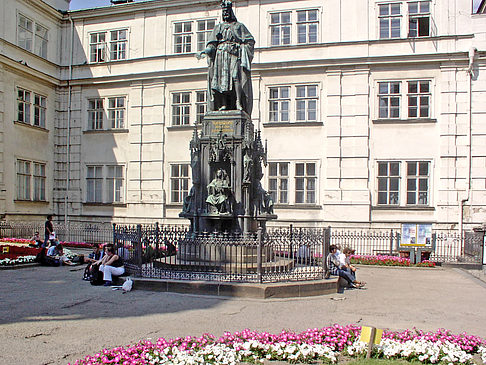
48, 315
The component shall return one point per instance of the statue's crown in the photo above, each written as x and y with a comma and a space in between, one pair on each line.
226, 4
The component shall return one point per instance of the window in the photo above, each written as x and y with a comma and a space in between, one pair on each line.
179, 182
25, 32
97, 45
419, 19
182, 37
95, 114
108, 179
388, 183
200, 105
94, 184
306, 102
418, 183
305, 183
23, 180
114, 184
279, 104
204, 29
39, 111
116, 112
416, 94
181, 108
280, 27
40, 43
389, 18
418, 99
118, 45
307, 23
39, 182
23, 106
278, 181
389, 99
31, 180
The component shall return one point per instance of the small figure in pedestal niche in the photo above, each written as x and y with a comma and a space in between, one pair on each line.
247, 167
219, 193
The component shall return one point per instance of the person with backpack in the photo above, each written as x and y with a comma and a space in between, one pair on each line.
111, 264
93, 257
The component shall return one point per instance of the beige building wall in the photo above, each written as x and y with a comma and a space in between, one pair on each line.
343, 146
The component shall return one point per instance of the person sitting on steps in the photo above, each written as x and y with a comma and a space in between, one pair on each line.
111, 264
333, 268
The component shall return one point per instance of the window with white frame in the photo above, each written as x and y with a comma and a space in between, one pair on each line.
389, 16
95, 114
40, 103
97, 47
182, 37
305, 183
408, 99
419, 19
204, 29
418, 173
279, 103
118, 44
181, 108
105, 184
201, 105
31, 180
293, 103
278, 182
415, 183
116, 112
389, 183
280, 28
32, 36
307, 24
23, 106
294, 27
94, 184
179, 182
114, 184
25, 101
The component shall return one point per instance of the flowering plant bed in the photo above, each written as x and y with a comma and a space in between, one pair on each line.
30, 242
385, 260
17, 261
13, 251
327, 344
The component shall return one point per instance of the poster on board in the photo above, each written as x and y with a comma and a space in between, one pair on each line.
416, 234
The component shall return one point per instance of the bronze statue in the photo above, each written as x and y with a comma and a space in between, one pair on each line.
219, 192
230, 52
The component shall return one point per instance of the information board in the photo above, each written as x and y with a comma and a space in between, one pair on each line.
416, 235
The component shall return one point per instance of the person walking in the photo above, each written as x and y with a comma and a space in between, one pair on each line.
48, 230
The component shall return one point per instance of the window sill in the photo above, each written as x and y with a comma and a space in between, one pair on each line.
42, 129
92, 204
105, 131
21, 201
292, 124
404, 121
174, 205
409, 207
298, 206
181, 127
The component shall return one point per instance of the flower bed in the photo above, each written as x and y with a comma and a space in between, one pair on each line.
325, 344
385, 260
17, 261
12, 251
64, 243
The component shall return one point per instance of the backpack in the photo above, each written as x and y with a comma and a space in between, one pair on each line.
96, 276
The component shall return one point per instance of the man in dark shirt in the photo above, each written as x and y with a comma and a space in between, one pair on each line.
49, 229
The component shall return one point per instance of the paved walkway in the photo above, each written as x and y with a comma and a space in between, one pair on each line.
50, 316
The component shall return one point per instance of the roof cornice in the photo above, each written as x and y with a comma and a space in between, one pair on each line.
43, 8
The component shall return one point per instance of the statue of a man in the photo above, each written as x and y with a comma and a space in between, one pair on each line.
230, 52
218, 193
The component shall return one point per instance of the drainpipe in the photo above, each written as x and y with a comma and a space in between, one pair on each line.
68, 134
471, 55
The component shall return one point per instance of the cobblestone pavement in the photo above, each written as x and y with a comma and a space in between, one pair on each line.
50, 316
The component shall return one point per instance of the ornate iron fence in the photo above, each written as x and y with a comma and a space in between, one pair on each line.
168, 252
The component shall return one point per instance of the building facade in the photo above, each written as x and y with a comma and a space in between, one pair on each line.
374, 115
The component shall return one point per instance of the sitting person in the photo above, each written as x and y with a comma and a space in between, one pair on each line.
345, 263
37, 240
56, 255
333, 266
93, 257
111, 264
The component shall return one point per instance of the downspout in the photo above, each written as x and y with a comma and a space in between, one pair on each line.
471, 55
68, 132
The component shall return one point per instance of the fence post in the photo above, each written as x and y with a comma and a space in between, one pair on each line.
291, 236
157, 238
391, 242
259, 254
139, 246
114, 236
325, 249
